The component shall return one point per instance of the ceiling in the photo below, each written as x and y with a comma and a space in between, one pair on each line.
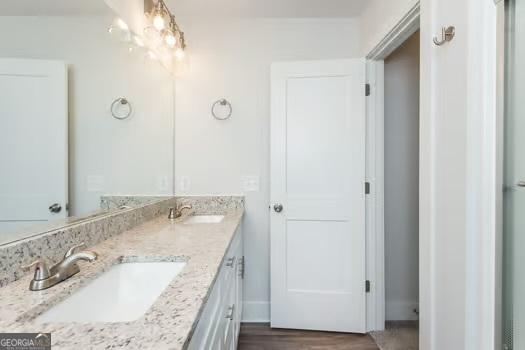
193, 8
267, 8
51, 7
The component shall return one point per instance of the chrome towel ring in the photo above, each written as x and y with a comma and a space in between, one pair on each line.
121, 108
221, 109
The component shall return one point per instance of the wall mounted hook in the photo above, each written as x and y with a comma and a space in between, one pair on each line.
447, 34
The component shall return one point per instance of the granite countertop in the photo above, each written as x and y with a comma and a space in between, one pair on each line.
168, 324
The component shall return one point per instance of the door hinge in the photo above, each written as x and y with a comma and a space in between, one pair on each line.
367, 187
367, 286
367, 89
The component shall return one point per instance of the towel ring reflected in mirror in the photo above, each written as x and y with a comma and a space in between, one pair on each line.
221, 109
121, 108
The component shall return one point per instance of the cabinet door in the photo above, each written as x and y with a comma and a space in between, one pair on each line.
229, 328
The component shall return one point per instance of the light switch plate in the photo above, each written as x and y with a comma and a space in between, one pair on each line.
95, 183
162, 183
184, 184
250, 183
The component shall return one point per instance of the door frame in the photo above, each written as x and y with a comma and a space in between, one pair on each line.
484, 176
375, 159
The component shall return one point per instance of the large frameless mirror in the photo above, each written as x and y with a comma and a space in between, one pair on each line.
85, 117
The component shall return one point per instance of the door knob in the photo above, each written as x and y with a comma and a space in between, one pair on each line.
278, 208
55, 208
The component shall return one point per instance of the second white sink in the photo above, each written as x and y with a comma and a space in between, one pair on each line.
122, 294
204, 219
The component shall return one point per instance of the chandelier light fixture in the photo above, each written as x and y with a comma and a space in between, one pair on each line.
162, 39
163, 30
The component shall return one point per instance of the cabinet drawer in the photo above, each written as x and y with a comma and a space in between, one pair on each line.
230, 262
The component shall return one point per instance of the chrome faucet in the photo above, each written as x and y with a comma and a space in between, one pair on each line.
45, 277
176, 213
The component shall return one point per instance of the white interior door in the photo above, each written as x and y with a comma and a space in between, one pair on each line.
33, 142
318, 177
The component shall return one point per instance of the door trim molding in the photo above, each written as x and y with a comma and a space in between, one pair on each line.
404, 28
483, 232
375, 228
375, 206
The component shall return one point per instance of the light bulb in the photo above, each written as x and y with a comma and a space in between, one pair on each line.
180, 54
170, 39
158, 22
121, 24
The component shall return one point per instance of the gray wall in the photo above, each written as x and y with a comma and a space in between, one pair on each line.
402, 180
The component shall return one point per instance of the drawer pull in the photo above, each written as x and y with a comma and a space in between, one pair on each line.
230, 262
230, 313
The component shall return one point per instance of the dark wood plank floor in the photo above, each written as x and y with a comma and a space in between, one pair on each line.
259, 336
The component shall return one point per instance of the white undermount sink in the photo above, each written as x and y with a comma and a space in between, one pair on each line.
122, 294
204, 219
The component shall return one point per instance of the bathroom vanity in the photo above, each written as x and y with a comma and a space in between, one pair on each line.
199, 306
219, 324
80, 259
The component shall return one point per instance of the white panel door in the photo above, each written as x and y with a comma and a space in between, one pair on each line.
33, 141
317, 176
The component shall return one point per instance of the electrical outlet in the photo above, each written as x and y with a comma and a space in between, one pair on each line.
95, 183
251, 183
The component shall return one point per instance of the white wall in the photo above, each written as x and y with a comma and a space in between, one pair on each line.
132, 155
458, 171
401, 129
458, 176
231, 59
378, 19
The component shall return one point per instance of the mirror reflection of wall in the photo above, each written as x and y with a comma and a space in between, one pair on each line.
60, 148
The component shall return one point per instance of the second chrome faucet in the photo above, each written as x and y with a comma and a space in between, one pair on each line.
176, 213
45, 277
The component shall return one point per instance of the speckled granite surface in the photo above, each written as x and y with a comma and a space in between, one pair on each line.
212, 204
168, 323
110, 202
53, 244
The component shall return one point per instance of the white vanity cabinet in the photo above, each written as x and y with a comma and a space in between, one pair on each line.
219, 324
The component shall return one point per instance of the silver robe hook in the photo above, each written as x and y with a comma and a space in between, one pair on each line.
447, 34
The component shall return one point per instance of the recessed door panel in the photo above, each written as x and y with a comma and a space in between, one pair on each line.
317, 193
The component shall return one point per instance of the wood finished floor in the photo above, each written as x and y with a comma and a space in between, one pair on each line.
259, 336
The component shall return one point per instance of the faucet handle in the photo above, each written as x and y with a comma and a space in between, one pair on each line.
181, 206
41, 269
71, 250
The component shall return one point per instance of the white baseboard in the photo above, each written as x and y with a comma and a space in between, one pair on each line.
259, 311
256, 311
401, 310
